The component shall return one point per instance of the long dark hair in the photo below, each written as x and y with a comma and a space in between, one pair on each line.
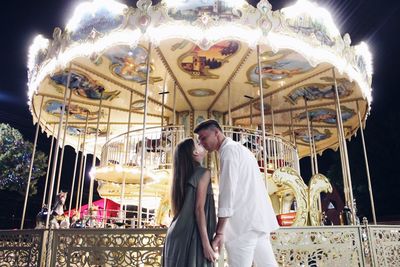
184, 166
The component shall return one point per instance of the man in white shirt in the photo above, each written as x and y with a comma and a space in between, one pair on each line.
245, 214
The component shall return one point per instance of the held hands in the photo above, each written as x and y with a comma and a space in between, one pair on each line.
217, 242
209, 253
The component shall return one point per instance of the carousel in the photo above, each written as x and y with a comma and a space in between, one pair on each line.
126, 84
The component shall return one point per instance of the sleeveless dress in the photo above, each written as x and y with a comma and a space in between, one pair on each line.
182, 247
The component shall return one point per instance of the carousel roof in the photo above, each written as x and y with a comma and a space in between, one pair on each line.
204, 49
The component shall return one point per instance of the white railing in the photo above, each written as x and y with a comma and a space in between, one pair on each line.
126, 149
279, 152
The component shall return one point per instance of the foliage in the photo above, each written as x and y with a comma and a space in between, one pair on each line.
15, 159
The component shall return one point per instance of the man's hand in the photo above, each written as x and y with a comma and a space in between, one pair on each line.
209, 253
217, 242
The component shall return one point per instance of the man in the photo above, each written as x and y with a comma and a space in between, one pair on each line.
245, 215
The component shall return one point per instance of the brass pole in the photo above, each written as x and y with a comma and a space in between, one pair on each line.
48, 166
74, 177
345, 154
31, 165
260, 84
127, 155
144, 137
91, 184
309, 137
229, 105
371, 195
55, 155
81, 164
63, 142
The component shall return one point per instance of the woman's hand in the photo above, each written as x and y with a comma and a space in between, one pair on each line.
209, 253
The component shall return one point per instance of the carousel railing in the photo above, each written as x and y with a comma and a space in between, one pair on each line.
21, 248
385, 245
279, 152
359, 245
125, 149
110, 218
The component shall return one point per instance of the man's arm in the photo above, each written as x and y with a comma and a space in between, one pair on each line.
218, 240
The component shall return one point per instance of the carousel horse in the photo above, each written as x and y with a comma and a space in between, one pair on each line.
59, 220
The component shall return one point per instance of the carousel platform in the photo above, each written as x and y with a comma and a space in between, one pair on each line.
362, 245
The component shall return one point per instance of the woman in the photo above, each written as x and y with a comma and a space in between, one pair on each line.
187, 243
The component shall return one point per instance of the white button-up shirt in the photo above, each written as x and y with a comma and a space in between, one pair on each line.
242, 192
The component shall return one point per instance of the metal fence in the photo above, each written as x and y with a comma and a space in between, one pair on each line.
308, 246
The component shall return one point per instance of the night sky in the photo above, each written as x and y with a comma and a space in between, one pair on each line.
372, 21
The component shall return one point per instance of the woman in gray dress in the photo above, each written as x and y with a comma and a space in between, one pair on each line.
187, 243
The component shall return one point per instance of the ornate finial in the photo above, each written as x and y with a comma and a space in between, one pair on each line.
264, 6
267, 20
143, 21
144, 5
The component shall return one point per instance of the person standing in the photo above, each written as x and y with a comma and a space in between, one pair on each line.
188, 240
245, 214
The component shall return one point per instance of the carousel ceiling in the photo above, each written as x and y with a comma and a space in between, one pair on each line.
202, 57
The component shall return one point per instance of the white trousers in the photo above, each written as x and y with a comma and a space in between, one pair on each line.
248, 247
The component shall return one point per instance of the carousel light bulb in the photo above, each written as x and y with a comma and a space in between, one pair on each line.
39, 44
84, 9
363, 50
320, 14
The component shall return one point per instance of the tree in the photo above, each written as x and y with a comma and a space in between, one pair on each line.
15, 159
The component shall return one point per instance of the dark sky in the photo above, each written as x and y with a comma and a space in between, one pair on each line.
376, 22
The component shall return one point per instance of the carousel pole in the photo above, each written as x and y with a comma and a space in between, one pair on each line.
260, 82
310, 137
344, 145
31, 165
91, 185
81, 164
371, 195
108, 133
175, 129
314, 148
251, 114
163, 100
63, 143
229, 106
344, 172
174, 112
293, 135
143, 136
274, 147
55, 156
83, 181
74, 177
48, 167
127, 154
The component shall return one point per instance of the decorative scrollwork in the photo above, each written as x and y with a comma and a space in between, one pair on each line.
318, 183
20, 248
326, 246
385, 245
289, 177
139, 247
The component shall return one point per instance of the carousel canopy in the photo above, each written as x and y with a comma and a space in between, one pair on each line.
206, 52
